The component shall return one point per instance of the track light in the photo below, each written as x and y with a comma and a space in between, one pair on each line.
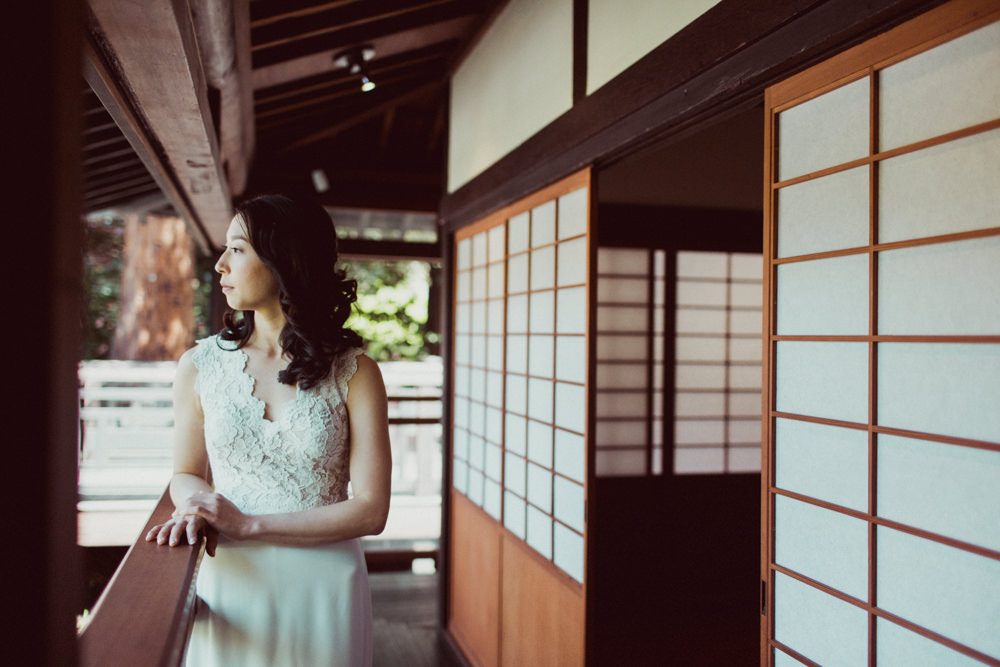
355, 60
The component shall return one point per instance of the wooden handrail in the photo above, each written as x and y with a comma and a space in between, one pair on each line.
145, 614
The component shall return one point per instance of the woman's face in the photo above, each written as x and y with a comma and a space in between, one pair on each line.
247, 283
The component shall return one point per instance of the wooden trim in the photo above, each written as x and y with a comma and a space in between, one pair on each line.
581, 11
152, 590
724, 59
349, 249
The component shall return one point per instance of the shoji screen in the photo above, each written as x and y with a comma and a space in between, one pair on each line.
519, 432
882, 511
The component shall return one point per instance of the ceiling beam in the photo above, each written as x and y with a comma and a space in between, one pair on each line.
143, 63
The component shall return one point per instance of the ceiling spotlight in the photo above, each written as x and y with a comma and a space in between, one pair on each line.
355, 61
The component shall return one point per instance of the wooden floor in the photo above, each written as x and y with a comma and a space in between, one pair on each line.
405, 611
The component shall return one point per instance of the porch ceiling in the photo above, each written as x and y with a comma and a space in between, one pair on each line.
193, 104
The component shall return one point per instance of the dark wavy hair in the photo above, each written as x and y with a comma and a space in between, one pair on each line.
295, 238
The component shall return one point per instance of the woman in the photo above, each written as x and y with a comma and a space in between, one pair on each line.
273, 417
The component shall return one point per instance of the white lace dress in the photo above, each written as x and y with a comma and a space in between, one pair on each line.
263, 604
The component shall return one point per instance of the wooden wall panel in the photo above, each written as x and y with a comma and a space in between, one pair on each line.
543, 611
474, 596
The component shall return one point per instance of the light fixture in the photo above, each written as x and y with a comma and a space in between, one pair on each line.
355, 59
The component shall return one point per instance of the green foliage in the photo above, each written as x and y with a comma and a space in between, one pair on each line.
391, 311
104, 239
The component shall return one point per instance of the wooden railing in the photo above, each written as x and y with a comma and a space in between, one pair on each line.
144, 616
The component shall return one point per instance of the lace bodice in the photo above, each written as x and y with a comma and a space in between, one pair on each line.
296, 462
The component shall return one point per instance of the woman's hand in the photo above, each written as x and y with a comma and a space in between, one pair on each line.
219, 512
185, 527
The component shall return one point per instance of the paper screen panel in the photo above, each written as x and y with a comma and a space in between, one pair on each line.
569, 551
941, 388
823, 462
950, 490
573, 214
826, 131
540, 488
514, 514
940, 190
570, 455
539, 531
543, 224
941, 289
823, 379
947, 88
828, 213
572, 263
824, 296
957, 596
898, 647
832, 633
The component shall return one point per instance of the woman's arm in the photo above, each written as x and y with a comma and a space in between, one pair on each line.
190, 460
371, 467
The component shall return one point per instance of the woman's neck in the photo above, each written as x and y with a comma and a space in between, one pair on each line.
268, 324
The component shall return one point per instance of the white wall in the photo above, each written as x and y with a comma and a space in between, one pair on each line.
517, 80
620, 32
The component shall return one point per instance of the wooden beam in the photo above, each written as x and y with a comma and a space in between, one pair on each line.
365, 249
387, 46
145, 58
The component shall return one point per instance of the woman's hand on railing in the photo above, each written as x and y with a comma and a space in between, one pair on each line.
182, 525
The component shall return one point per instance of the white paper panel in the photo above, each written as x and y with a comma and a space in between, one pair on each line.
542, 312
571, 355
515, 475
494, 425
696, 460
568, 503
496, 243
540, 487
745, 323
743, 431
619, 463
517, 354
940, 190
828, 130
782, 659
477, 425
699, 432
621, 404
699, 404
701, 293
478, 320
570, 455
539, 535
515, 434
541, 356
461, 408
824, 296
823, 379
517, 394
568, 552
957, 591
514, 514
571, 310
540, 399
543, 224
622, 318
692, 264
479, 249
946, 489
699, 321
621, 433
745, 349
573, 213
463, 318
571, 407
946, 88
746, 266
947, 288
746, 295
744, 459
819, 626
461, 381
494, 278
622, 376
464, 254
477, 384
460, 476
622, 290
517, 314
823, 545
543, 268
517, 274
460, 444
699, 376
477, 452
540, 443
572, 262
517, 234
949, 389
744, 405
898, 647
494, 316
491, 498
700, 348
494, 353
829, 213
622, 261
744, 377
824, 462
463, 286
